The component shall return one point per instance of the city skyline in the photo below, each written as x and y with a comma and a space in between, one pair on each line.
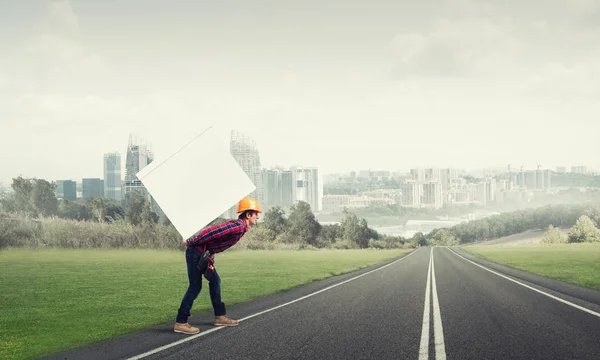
464, 83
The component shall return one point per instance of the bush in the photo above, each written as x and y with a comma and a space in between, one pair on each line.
64, 233
584, 230
19, 232
554, 236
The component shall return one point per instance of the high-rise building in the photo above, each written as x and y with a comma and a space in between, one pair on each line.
481, 193
432, 194
138, 157
92, 188
531, 180
411, 194
490, 189
547, 174
307, 186
244, 151
112, 176
66, 189
272, 190
288, 190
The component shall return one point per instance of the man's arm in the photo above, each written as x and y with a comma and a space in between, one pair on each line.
214, 232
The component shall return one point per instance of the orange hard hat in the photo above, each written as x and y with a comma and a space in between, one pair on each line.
248, 204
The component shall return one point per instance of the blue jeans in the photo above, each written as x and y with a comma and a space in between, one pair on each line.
192, 256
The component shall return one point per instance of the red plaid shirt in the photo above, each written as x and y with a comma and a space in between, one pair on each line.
219, 237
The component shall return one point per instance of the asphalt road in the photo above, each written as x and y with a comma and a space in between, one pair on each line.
430, 304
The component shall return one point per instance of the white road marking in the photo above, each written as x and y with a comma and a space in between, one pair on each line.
192, 337
530, 287
438, 329
424, 348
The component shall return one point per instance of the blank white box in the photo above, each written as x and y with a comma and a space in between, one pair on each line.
197, 183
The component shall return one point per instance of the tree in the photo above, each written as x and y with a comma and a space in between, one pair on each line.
22, 196
44, 198
355, 230
33, 197
97, 208
331, 233
73, 210
584, 231
275, 220
304, 228
114, 212
7, 201
418, 239
138, 209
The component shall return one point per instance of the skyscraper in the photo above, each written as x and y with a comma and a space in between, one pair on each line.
307, 186
92, 188
244, 151
287, 188
138, 157
272, 186
66, 189
112, 176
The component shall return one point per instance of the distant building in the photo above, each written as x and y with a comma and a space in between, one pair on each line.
335, 203
244, 151
92, 188
432, 195
288, 190
579, 169
138, 156
272, 186
481, 191
490, 189
561, 169
307, 186
112, 176
411, 194
66, 189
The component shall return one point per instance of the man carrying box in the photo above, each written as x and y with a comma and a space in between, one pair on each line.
199, 256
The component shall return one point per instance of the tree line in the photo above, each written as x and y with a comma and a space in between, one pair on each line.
35, 199
581, 218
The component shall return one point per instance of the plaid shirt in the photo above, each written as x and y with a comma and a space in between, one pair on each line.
219, 237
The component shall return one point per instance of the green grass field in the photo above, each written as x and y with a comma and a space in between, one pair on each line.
52, 300
574, 263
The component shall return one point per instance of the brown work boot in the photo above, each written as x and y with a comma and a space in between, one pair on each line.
225, 321
185, 329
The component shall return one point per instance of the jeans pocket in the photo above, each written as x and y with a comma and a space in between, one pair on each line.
209, 272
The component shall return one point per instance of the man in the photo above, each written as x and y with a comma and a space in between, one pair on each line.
215, 239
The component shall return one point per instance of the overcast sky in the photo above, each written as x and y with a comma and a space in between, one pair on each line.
382, 85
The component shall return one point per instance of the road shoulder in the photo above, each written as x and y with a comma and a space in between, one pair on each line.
581, 295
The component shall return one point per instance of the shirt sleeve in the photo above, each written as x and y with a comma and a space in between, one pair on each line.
215, 232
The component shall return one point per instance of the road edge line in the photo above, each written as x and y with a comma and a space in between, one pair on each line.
192, 337
579, 307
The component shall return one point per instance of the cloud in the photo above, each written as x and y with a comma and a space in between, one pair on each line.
453, 48
557, 80
60, 17
582, 6
55, 59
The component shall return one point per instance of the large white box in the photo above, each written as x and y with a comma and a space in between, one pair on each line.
197, 183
